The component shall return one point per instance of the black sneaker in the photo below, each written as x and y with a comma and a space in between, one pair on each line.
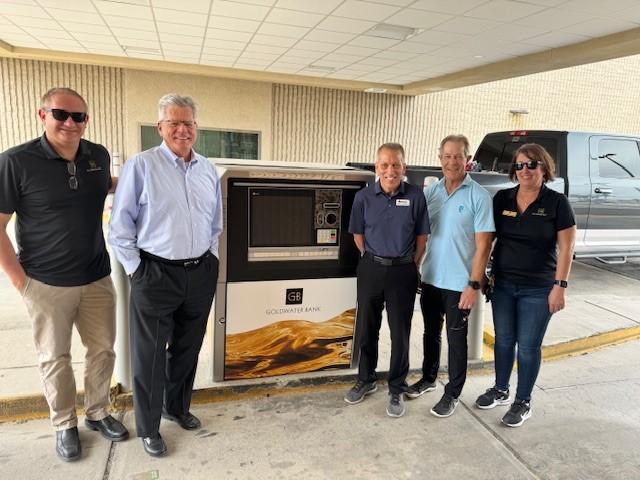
420, 387
445, 407
517, 414
359, 390
492, 398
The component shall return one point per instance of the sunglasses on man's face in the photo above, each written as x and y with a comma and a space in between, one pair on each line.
62, 115
531, 165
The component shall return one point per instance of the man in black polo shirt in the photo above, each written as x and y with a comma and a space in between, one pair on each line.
390, 224
56, 185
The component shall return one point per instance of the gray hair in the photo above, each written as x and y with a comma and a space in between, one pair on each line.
177, 101
46, 98
456, 139
394, 147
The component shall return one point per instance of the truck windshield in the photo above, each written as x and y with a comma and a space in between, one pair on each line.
495, 154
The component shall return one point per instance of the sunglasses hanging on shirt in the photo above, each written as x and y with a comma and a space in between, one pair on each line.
73, 180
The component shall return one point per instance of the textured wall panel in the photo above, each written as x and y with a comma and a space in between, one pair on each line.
335, 126
22, 83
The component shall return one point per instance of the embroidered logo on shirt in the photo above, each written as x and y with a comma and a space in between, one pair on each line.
460, 208
403, 202
509, 213
93, 167
539, 213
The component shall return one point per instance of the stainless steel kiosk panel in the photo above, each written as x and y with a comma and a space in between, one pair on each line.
286, 295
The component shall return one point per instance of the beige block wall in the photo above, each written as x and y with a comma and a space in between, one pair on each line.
338, 127
222, 104
23, 82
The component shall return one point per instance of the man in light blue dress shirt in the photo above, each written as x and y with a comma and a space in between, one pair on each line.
462, 226
164, 229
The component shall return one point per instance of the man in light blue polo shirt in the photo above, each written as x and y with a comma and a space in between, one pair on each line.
462, 227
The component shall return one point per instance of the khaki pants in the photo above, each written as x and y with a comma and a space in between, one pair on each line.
54, 311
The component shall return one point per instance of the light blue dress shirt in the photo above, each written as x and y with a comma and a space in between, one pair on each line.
455, 219
165, 206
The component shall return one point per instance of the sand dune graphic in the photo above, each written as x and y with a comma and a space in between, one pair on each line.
290, 346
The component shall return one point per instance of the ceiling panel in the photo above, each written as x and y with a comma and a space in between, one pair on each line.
298, 36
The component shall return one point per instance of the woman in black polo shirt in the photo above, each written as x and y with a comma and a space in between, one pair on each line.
535, 234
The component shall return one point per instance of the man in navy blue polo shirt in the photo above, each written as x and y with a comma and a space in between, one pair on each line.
390, 224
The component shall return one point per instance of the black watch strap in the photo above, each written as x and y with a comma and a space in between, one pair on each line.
562, 283
474, 284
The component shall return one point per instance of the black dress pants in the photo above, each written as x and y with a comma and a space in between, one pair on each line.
395, 288
436, 303
169, 309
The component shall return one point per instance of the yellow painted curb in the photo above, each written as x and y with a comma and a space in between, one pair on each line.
587, 344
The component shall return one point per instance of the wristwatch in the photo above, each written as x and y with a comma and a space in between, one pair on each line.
474, 284
561, 283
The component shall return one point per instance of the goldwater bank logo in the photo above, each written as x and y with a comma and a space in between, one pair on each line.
293, 296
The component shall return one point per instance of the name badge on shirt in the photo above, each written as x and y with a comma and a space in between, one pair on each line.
509, 213
403, 202
539, 213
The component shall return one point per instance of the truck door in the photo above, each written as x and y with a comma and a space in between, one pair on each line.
614, 215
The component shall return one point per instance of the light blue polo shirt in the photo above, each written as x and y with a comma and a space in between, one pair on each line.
455, 219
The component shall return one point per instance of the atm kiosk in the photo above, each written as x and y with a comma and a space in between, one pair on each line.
286, 295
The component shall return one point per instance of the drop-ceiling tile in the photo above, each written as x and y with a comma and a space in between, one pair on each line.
239, 10
82, 28
94, 38
179, 47
553, 19
221, 54
47, 23
191, 30
410, 17
329, 37
453, 7
177, 17
257, 57
236, 24
124, 10
138, 43
78, 17
388, 54
503, 10
181, 39
363, 51
134, 24
225, 44
22, 10
599, 27
556, 39
324, 6
291, 17
598, 7
282, 30
273, 40
345, 25
217, 62
434, 37
340, 57
252, 47
200, 6
228, 35
46, 35
360, 10
75, 5
316, 46
466, 25
373, 42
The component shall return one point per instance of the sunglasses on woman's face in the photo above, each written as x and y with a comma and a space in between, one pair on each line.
531, 165
62, 115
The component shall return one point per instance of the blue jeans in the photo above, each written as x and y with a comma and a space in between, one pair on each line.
520, 316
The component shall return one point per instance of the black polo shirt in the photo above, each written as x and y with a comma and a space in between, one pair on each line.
390, 224
58, 230
526, 244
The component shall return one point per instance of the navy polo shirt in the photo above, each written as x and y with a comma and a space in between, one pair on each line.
526, 243
390, 224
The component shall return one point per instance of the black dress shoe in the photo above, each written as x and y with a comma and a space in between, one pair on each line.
68, 444
154, 445
188, 421
109, 427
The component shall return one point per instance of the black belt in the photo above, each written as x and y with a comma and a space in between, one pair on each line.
390, 261
188, 263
